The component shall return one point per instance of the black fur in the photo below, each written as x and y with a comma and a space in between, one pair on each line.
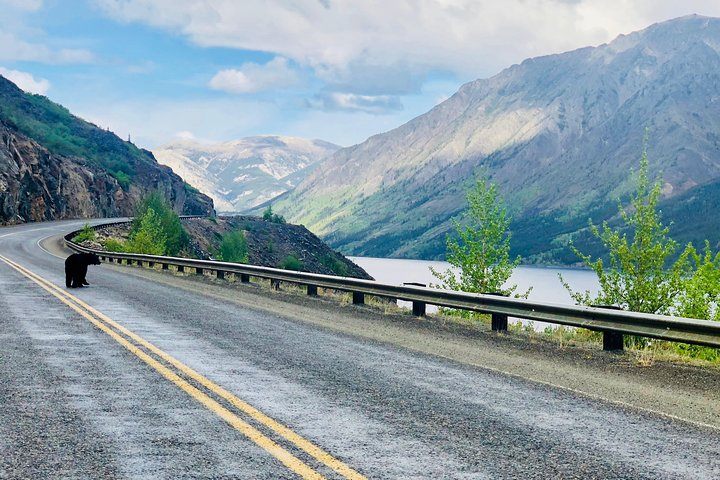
76, 266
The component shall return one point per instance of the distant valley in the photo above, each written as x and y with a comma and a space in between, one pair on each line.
242, 174
559, 134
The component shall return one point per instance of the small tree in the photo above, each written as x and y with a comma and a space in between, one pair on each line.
234, 248
638, 278
176, 236
149, 237
87, 233
480, 251
269, 216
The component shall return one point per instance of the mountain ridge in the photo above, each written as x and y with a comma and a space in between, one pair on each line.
559, 134
241, 174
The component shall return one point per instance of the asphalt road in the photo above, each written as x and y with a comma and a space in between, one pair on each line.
133, 378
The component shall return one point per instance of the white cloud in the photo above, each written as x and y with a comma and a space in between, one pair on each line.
376, 104
26, 81
253, 77
15, 49
342, 39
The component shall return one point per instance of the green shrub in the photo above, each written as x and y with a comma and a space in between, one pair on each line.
149, 237
234, 248
291, 262
335, 264
87, 233
112, 245
697, 351
176, 238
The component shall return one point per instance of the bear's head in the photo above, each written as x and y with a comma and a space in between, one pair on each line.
91, 259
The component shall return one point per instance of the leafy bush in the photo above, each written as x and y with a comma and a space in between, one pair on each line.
176, 238
112, 245
234, 248
87, 233
291, 262
148, 237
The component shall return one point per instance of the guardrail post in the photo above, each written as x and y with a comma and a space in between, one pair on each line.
358, 298
180, 268
199, 271
312, 290
151, 264
499, 322
220, 274
245, 278
419, 309
165, 266
612, 341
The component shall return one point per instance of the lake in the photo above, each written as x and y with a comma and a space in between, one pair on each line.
544, 280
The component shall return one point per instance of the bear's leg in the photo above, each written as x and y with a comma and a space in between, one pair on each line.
68, 278
81, 275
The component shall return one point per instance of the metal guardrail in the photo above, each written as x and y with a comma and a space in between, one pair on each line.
613, 323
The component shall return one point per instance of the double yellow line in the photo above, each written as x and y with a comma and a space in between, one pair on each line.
171, 370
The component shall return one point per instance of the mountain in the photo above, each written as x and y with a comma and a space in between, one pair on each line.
559, 134
242, 174
54, 165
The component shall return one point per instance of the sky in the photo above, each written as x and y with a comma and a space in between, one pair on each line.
336, 70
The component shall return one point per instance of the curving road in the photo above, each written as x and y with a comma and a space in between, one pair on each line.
134, 377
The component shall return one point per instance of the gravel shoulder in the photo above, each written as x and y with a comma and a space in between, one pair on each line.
679, 392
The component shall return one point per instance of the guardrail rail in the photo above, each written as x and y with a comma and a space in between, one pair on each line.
613, 323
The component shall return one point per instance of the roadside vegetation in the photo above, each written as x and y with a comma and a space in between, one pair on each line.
156, 230
86, 234
647, 271
234, 247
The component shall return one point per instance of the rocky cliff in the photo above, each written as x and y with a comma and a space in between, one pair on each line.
54, 165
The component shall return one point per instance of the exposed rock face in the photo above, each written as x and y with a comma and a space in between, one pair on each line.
36, 185
242, 174
558, 134
43, 183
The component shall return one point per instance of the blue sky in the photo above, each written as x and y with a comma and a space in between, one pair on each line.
341, 71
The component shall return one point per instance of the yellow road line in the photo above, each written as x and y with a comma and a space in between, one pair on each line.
283, 455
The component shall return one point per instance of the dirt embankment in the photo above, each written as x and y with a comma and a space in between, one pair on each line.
269, 244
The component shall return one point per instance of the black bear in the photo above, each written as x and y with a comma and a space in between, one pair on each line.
76, 266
